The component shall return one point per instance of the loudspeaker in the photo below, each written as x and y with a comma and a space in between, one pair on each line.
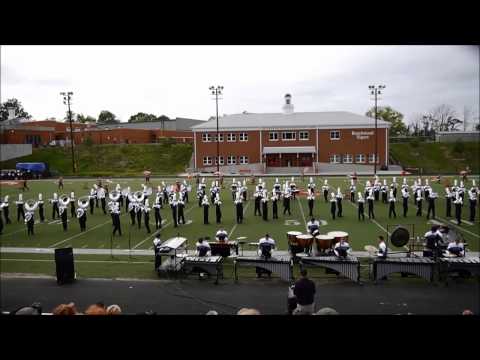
64, 265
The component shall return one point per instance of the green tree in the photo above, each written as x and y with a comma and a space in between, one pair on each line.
86, 119
19, 110
391, 115
142, 117
107, 117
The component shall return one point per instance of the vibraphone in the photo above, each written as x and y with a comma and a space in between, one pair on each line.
212, 265
454, 264
283, 266
223, 248
423, 267
349, 266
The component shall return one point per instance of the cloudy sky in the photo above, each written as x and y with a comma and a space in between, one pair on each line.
174, 80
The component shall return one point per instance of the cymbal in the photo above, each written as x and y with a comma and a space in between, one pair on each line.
372, 250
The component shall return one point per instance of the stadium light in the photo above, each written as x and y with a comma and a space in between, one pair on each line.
217, 91
376, 90
66, 101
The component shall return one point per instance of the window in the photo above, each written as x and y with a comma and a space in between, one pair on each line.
371, 158
243, 137
360, 158
207, 160
334, 135
220, 137
288, 136
206, 137
243, 159
303, 135
335, 159
347, 158
221, 160
231, 160
231, 137
273, 136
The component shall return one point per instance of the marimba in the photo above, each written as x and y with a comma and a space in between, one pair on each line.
459, 264
212, 265
283, 266
174, 249
348, 266
223, 248
423, 267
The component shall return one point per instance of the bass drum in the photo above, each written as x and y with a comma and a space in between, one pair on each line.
400, 237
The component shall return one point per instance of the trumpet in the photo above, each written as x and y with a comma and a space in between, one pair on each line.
31, 205
64, 200
83, 201
114, 195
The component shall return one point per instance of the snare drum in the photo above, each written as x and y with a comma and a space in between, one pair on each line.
338, 235
324, 242
292, 237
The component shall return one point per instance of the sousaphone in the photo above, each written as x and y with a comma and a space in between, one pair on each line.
83, 201
64, 200
114, 195
31, 205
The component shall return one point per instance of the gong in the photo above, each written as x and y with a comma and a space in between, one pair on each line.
400, 237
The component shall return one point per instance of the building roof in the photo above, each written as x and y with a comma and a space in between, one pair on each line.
327, 120
178, 124
288, 149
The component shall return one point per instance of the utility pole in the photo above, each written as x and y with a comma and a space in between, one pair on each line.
66, 101
217, 91
376, 90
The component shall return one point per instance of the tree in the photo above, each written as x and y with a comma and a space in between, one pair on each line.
106, 117
142, 117
392, 116
19, 110
444, 118
85, 119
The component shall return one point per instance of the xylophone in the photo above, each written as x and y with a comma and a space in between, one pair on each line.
423, 267
454, 264
283, 266
349, 266
210, 264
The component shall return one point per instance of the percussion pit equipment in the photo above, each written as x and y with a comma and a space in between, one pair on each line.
293, 243
338, 236
305, 241
324, 242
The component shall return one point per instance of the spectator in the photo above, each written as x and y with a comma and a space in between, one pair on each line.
326, 311
305, 292
96, 309
212, 312
34, 309
114, 310
247, 311
65, 309
467, 312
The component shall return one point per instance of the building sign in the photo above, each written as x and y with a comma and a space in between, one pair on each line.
362, 135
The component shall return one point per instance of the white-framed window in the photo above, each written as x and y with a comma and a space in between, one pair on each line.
289, 135
303, 135
221, 160
206, 137
231, 137
243, 160
335, 159
243, 137
231, 160
273, 136
335, 135
348, 158
220, 137
371, 158
360, 158
207, 160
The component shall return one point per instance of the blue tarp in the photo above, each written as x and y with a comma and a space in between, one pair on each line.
33, 167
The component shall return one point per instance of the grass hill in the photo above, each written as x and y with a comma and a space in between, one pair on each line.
165, 157
438, 158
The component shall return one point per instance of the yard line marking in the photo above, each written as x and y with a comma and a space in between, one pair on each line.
102, 246
465, 221
84, 246
235, 226
303, 215
373, 220
168, 223
15, 232
461, 229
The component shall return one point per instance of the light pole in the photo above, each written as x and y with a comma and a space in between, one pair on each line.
217, 91
376, 90
66, 101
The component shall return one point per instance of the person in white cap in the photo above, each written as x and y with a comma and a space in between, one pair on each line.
205, 205
20, 211
391, 208
458, 207
41, 213
361, 207
333, 205
54, 203
473, 195
146, 215
352, 191
370, 198
325, 189
339, 197
405, 196
449, 196
72, 205
181, 207
431, 204
311, 201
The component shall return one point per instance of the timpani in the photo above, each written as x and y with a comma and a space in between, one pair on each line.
293, 244
324, 242
305, 241
338, 235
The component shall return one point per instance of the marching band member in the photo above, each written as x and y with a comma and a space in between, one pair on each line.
157, 242
165, 192
239, 208
205, 205
277, 188
234, 189
368, 187
92, 197
131, 210
218, 210
127, 199
361, 207
427, 189
352, 191
455, 186
72, 204
313, 227
432, 239
311, 201
418, 197
333, 205
138, 212
156, 206
265, 205
293, 188
265, 246
391, 209
244, 190
339, 197
200, 194
1, 217
186, 189
376, 188
274, 199
370, 198
115, 211
120, 199
405, 196
473, 194
40, 208
286, 201
405, 185
81, 214
54, 203
342, 248
101, 196
394, 186
174, 206
258, 197
213, 191
181, 207
431, 203
146, 215
414, 192
384, 190
95, 187
458, 207
325, 189
382, 248
30, 219
461, 191
63, 214
456, 248
203, 247
311, 185
221, 235
448, 196
20, 211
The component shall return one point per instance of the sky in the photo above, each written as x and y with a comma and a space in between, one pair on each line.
174, 80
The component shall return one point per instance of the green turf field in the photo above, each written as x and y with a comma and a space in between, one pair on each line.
51, 235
